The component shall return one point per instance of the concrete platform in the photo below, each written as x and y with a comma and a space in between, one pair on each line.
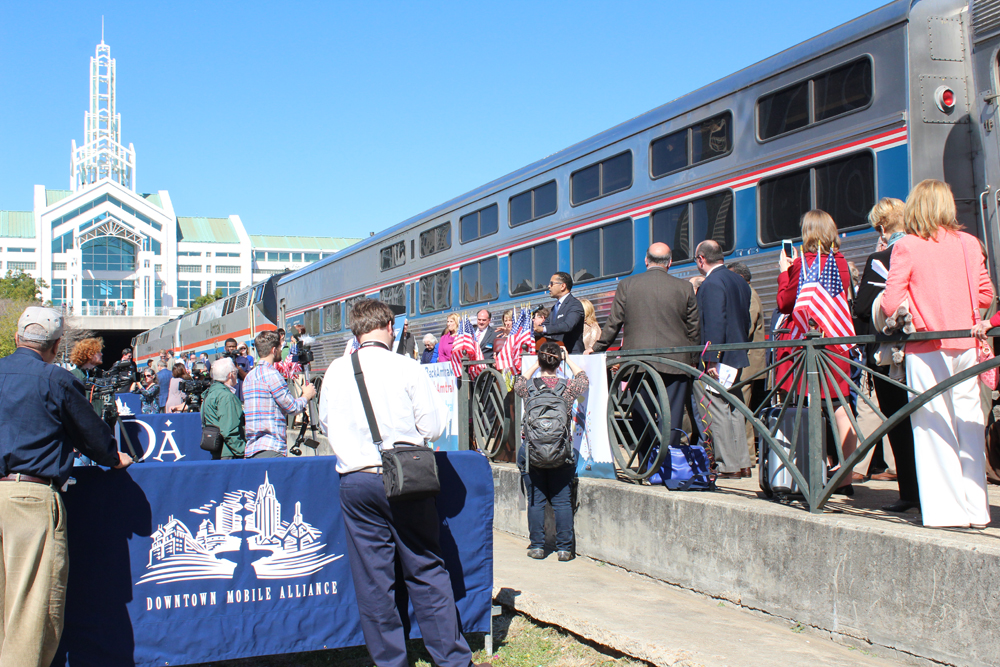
653, 621
854, 571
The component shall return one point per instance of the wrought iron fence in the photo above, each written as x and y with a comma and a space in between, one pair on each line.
639, 419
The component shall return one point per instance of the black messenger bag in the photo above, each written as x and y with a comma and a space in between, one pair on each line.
409, 472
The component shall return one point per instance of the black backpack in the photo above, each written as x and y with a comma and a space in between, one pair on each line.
547, 426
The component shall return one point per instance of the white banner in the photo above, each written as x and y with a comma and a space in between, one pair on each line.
443, 379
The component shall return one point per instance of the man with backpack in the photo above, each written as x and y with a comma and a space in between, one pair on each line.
546, 458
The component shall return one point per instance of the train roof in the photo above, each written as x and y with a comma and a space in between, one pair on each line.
874, 21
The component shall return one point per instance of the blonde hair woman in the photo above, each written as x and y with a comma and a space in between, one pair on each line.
941, 271
591, 329
820, 244
448, 338
886, 217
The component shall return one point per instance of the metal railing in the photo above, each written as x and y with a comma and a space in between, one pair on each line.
637, 395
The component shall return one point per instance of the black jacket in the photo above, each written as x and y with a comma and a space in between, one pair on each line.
872, 284
567, 326
724, 313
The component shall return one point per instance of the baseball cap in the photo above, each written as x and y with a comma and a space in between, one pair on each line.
49, 319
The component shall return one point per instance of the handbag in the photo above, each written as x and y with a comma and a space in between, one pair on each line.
409, 472
687, 468
984, 352
211, 439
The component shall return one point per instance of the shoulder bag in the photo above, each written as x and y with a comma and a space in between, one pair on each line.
409, 472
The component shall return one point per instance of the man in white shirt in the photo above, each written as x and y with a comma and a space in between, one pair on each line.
485, 334
407, 409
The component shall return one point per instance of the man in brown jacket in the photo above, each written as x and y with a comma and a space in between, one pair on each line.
758, 385
657, 310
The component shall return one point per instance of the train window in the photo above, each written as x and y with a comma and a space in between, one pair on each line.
331, 317
435, 239
843, 89
669, 154
783, 111
533, 204
531, 268
827, 95
601, 179
392, 256
394, 296
709, 139
480, 223
479, 281
672, 226
845, 189
603, 252
435, 292
712, 218
311, 321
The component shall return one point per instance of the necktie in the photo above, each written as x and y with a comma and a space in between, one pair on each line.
555, 311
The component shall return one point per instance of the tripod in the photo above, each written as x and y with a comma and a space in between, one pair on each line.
305, 358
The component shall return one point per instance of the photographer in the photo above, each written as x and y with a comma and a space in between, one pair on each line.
407, 409
148, 390
86, 356
176, 397
222, 409
43, 417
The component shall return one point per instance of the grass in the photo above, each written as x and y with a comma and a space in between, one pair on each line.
517, 642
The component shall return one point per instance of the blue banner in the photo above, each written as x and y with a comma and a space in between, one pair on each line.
166, 438
197, 562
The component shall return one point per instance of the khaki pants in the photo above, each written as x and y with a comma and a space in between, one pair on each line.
32, 574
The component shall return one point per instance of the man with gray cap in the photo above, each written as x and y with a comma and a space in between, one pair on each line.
43, 417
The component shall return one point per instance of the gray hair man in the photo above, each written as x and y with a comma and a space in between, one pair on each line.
221, 408
44, 416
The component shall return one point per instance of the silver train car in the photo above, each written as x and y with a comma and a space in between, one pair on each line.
241, 316
863, 111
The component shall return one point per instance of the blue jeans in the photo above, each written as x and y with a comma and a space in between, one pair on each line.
552, 485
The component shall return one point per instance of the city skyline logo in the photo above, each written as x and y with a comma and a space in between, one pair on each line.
246, 526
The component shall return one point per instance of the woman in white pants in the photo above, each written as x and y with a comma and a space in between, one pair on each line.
949, 435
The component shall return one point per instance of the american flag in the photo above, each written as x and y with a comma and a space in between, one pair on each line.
465, 346
822, 299
521, 334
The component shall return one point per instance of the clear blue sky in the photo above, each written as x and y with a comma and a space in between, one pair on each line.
336, 118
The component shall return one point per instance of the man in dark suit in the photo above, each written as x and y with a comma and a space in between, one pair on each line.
485, 334
565, 321
657, 310
724, 309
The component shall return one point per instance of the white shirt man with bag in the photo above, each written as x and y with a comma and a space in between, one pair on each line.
407, 408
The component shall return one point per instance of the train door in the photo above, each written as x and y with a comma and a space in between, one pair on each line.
985, 119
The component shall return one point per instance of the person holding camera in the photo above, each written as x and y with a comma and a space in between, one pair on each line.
176, 397
87, 356
148, 390
43, 418
239, 360
267, 402
221, 408
407, 409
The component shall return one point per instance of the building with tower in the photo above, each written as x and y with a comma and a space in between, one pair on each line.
106, 248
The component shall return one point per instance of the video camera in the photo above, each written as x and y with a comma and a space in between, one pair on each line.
121, 375
195, 387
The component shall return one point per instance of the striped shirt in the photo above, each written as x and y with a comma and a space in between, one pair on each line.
266, 403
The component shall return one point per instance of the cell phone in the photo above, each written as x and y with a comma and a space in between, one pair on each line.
787, 248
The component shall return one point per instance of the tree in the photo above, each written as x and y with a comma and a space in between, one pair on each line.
20, 286
204, 300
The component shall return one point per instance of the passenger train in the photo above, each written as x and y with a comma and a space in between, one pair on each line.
863, 111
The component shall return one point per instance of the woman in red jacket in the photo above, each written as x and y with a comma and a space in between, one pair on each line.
820, 245
941, 271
